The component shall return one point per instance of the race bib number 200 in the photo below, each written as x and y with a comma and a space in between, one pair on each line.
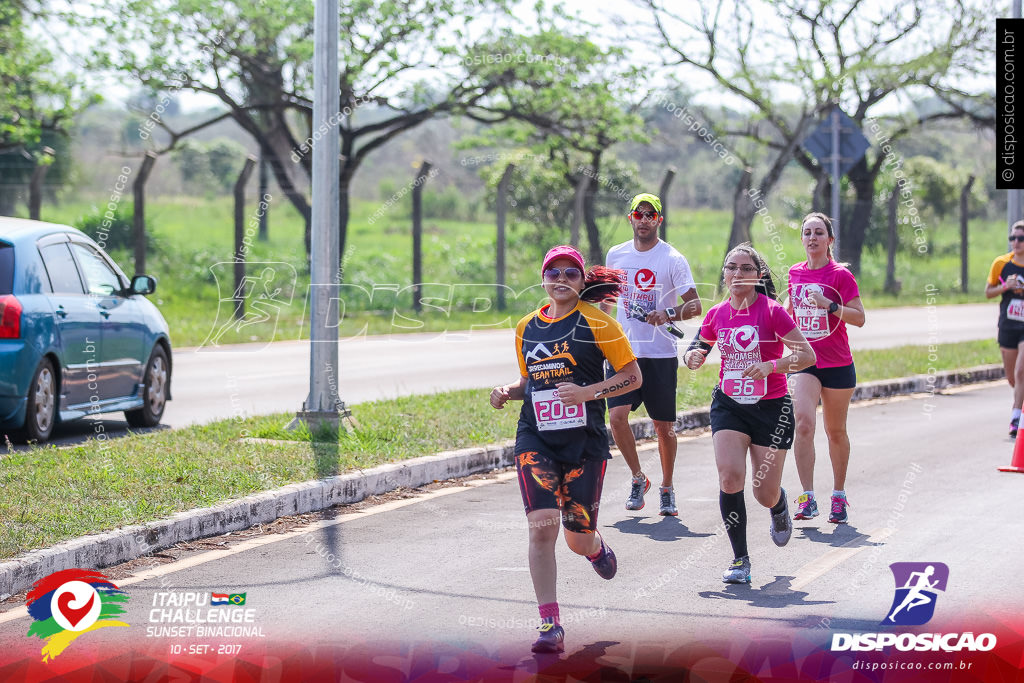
745, 390
552, 414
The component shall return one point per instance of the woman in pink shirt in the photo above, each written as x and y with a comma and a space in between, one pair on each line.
823, 298
750, 408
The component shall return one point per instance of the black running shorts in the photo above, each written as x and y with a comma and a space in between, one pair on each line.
658, 391
842, 377
769, 422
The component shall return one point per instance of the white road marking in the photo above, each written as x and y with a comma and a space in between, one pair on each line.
835, 557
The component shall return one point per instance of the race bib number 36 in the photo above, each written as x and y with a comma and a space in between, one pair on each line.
745, 390
1015, 310
813, 322
552, 414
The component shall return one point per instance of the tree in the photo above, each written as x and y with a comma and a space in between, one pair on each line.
566, 98
850, 52
36, 105
256, 59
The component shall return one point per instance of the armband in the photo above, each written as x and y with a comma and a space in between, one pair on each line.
700, 344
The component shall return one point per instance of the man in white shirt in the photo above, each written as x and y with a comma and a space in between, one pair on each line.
658, 281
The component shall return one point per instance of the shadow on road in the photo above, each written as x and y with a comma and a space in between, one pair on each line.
581, 660
773, 595
842, 536
663, 529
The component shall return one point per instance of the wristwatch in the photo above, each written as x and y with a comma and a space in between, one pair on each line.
671, 313
833, 307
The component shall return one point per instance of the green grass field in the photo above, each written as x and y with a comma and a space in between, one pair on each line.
53, 494
196, 247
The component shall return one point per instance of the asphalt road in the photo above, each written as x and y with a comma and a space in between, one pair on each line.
254, 379
450, 567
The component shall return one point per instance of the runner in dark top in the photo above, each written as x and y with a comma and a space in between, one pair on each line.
561, 444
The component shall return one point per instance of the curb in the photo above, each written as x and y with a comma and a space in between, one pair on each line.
127, 543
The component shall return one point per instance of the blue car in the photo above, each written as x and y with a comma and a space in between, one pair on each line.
77, 337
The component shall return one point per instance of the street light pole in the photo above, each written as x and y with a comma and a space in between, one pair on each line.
322, 405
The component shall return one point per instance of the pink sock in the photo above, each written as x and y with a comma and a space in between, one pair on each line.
549, 610
600, 551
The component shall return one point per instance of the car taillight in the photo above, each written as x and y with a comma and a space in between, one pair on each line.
10, 317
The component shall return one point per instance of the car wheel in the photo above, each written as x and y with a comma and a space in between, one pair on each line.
41, 408
154, 392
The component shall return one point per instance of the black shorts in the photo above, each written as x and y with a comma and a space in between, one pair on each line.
769, 422
842, 377
1010, 337
657, 392
548, 484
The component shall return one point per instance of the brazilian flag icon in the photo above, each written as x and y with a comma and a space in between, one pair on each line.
237, 598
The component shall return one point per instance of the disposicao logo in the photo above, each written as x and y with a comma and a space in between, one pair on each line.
917, 586
69, 603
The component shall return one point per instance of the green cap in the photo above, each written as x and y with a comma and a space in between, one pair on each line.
651, 199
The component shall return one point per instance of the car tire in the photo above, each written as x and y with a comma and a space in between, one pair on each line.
154, 392
41, 407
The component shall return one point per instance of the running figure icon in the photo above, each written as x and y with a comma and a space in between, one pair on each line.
916, 597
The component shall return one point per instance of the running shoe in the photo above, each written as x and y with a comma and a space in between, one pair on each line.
1013, 427
636, 493
551, 639
838, 515
807, 507
668, 502
738, 571
782, 526
605, 565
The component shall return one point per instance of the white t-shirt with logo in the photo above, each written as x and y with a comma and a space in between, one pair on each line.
655, 279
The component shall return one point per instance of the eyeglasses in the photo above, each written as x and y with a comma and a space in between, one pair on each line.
640, 215
571, 274
1018, 238
745, 269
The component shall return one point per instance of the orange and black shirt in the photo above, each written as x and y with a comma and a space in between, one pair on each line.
1010, 313
573, 349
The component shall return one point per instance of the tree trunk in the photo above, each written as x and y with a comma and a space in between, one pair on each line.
344, 185
595, 252
139, 218
853, 230
276, 147
577, 210
264, 233
742, 211
35, 184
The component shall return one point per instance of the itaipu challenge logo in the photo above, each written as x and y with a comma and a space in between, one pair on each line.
71, 603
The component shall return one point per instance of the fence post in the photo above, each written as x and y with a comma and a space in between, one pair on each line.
240, 249
670, 174
264, 234
35, 183
577, 210
964, 194
417, 235
139, 212
890, 263
506, 178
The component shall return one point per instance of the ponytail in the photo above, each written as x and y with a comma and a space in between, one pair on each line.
603, 283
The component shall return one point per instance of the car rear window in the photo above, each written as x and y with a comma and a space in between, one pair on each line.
6, 268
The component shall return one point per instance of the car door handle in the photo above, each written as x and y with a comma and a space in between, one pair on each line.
105, 314
61, 312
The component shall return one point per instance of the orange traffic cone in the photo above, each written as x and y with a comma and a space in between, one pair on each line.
1017, 465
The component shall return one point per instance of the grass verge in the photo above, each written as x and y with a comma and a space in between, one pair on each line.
50, 494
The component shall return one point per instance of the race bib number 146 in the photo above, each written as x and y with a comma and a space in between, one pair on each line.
551, 413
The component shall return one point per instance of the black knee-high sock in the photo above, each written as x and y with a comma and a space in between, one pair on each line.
734, 514
779, 506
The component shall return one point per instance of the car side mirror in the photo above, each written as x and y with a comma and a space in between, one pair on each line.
142, 284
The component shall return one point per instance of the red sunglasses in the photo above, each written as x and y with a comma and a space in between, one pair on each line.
640, 215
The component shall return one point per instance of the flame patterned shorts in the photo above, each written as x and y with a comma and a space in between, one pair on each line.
548, 484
